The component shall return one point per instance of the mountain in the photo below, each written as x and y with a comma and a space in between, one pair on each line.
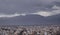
55, 19
31, 20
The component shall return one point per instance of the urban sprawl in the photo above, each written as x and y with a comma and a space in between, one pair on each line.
30, 30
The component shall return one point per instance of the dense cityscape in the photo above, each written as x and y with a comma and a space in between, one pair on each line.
30, 30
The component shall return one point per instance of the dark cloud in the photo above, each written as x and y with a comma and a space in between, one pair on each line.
57, 3
26, 6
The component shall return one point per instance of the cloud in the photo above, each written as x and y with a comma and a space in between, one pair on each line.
25, 6
49, 13
56, 7
11, 15
42, 13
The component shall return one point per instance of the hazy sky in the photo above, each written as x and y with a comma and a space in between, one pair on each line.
15, 8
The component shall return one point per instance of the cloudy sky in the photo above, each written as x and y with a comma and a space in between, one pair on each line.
48, 9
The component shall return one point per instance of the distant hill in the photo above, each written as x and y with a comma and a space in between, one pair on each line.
31, 20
